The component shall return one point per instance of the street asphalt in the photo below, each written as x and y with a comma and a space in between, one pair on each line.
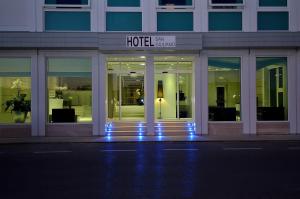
151, 170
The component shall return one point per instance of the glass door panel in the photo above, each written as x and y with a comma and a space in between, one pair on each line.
185, 95
173, 89
113, 96
132, 92
125, 88
165, 95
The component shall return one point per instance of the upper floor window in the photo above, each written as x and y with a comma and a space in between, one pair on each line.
273, 3
175, 21
175, 3
225, 21
225, 3
68, 3
123, 21
123, 3
67, 15
273, 21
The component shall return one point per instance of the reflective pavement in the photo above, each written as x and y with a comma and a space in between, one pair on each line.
151, 170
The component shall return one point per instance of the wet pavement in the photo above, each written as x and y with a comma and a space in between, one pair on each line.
151, 170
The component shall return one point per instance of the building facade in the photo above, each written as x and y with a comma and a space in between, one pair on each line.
149, 67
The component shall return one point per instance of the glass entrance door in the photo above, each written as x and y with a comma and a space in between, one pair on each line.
173, 90
125, 90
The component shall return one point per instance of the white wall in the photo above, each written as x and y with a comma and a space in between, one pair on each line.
17, 15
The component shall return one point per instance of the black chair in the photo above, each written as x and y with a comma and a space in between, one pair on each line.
65, 115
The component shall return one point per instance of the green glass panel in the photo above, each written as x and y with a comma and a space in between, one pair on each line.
274, 3
124, 21
176, 2
67, 2
67, 21
227, 1
174, 21
70, 67
225, 21
123, 3
273, 21
15, 67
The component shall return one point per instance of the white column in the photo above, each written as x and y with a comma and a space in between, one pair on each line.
197, 96
298, 91
245, 94
197, 16
42, 90
149, 95
94, 15
101, 16
203, 84
250, 16
149, 15
294, 7
34, 95
39, 16
95, 92
252, 93
203, 14
101, 101
292, 92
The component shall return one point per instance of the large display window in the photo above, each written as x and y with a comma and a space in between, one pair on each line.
271, 88
69, 90
15, 90
224, 88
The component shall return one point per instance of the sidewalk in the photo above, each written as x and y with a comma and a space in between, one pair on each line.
150, 139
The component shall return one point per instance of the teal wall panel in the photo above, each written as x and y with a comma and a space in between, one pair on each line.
225, 21
124, 21
273, 21
67, 21
123, 3
273, 3
67, 2
176, 2
175, 21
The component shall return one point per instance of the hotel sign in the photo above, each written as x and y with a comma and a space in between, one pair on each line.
143, 41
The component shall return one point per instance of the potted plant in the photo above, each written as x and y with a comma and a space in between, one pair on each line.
18, 105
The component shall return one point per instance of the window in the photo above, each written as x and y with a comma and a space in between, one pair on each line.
224, 89
273, 21
124, 21
69, 90
225, 21
225, 3
123, 3
271, 88
175, 2
273, 3
175, 21
67, 2
15, 90
67, 21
